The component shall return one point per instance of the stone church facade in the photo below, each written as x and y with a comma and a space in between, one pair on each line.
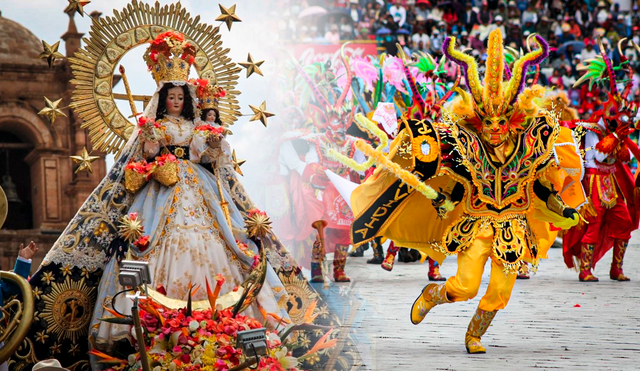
35, 167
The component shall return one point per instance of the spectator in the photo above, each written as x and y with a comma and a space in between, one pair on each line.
556, 80
470, 18
422, 10
420, 37
398, 12
458, 28
530, 15
500, 26
561, 62
513, 13
569, 52
621, 26
544, 27
583, 16
635, 35
576, 31
588, 52
602, 14
333, 35
49, 365
566, 34
464, 41
450, 18
355, 12
484, 16
436, 42
514, 39
346, 29
502, 12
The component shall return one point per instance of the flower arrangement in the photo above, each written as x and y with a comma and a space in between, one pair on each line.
209, 129
141, 167
149, 129
165, 159
182, 339
142, 243
168, 43
166, 170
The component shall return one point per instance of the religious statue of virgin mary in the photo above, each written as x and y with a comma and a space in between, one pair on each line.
172, 198
182, 229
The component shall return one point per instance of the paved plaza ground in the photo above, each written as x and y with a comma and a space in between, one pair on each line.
552, 322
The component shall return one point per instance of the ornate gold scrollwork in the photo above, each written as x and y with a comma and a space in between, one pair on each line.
19, 314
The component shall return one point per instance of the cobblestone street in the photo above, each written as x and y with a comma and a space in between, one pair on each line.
552, 322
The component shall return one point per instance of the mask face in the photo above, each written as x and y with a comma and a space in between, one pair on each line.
495, 130
615, 116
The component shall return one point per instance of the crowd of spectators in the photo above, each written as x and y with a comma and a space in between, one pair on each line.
570, 27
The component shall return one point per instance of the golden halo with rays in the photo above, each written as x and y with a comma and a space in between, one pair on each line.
68, 308
112, 37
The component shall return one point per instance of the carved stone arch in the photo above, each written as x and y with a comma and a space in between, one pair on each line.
19, 118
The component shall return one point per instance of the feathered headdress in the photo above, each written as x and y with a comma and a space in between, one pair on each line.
341, 109
493, 97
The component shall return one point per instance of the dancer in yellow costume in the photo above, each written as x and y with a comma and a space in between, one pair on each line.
507, 175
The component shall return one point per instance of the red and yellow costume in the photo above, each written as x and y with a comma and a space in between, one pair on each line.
506, 171
614, 209
334, 120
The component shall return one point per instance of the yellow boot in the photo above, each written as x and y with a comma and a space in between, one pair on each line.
432, 295
477, 327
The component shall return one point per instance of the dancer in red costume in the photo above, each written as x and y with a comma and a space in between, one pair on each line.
334, 119
614, 210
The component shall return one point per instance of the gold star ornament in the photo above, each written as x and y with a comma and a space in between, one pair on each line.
260, 113
84, 161
50, 52
228, 16
252, 66
51, 110
76, 6
237, 163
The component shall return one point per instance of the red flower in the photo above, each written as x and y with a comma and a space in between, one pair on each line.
253, 212
256, 261
164, 159
142, 243
211, 129
221, 365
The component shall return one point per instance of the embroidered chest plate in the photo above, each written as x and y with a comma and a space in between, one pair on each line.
501, 186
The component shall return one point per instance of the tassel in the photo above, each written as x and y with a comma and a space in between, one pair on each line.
607, 144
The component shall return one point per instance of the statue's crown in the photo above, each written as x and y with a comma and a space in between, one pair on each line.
170, 57
208, 94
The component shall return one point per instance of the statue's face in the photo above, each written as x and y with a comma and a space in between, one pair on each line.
495, 130
175, 101
211, 116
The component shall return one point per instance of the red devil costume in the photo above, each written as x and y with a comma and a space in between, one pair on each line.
613, 210
334, 119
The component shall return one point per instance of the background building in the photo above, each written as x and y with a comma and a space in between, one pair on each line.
35, 169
